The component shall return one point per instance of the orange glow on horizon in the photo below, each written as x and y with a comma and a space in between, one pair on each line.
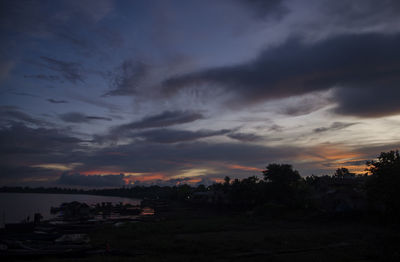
145, 178
332, 153
336, 156
245, 168
219, 180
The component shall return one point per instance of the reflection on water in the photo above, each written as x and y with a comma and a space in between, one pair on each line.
147, 211
15, 207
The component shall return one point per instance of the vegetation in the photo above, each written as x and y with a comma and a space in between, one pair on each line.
282, 187
383, 187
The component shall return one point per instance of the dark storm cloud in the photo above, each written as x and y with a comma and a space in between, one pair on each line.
19, 174
164, 119
127, 77
21, 139
265, 9
76, 117
373, 99
245, 137
333, 127
55, 101
360, 65
22, 148
175, 136
92, 180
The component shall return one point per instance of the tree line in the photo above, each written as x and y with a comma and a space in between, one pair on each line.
280, 187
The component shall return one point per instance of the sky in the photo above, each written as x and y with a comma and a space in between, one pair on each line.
105, 93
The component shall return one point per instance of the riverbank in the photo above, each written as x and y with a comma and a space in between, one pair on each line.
188, 233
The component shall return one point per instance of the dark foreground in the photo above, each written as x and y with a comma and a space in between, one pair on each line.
197, 234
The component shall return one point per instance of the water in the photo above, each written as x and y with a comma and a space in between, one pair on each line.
15, 207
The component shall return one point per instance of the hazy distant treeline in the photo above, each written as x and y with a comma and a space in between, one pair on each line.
281, 186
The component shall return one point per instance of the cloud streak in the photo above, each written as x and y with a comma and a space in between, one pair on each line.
75, 117
164, 119
175, 136
70, 71
55, 101
333, 127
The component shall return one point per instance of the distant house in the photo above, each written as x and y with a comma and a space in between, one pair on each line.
341, 194
209, 197
343, 200
75, 210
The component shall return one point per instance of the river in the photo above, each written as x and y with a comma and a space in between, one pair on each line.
15, 207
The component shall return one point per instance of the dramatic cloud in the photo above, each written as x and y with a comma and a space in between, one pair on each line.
185, 91
333, 127
376, 98
359, 64
75, 117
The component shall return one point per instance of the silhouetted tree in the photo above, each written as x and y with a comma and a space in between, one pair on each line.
342, 173
384, 183
283, 183
281, 174
227, 180
246, 193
